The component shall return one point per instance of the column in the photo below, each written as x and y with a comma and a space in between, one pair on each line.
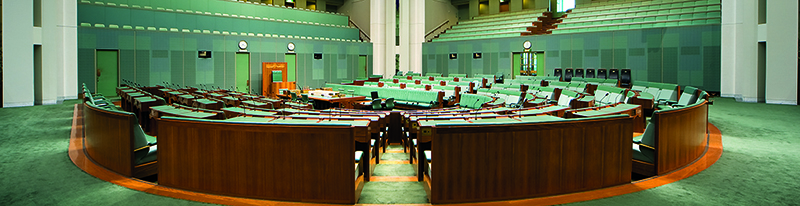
416, 35
300, 4
782, 38
321, 6
405, 31
474, 8
494, 6
515, 5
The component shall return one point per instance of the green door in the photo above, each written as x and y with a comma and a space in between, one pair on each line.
243, 72
540, 71
516, 63
107, 71
291, 67
362, 67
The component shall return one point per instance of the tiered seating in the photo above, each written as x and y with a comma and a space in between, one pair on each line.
622, 15
216, 17
506, 24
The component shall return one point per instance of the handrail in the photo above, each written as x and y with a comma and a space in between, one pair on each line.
363, 35
446, 21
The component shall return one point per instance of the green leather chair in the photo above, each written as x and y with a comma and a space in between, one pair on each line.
294, 96
644, 145
389, 104
376, 104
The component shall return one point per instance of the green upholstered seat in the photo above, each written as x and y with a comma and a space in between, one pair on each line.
643, 145
358, 156
389, 103
427, 155
147, 143
376, 104
304, 98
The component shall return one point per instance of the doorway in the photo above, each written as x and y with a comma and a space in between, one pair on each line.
243, 72
291, 67
107, 72
362, 67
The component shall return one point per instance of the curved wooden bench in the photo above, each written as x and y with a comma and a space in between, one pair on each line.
680, 138
109, 139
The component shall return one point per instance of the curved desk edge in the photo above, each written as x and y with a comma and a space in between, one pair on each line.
80, 159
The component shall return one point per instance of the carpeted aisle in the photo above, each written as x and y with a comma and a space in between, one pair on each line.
758, 167
391, 192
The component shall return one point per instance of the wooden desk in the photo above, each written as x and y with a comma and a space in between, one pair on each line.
476, 162
632, 110
288, 160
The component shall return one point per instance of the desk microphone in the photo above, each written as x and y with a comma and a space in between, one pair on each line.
604, 97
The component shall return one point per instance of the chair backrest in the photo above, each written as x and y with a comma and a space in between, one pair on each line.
376, 104
374, 95
688, 96
557, 72
568, 75
390, 103
590, 73
601, 74
305, 98
649, 139
613, 74
294, 96
578, 73
625, 76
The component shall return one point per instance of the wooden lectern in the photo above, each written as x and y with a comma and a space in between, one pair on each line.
274, 78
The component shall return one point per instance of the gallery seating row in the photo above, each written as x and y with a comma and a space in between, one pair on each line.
407, 97
233, 8
642, 16
139, 19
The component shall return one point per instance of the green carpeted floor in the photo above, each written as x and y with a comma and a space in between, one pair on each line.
393, 192
759, 165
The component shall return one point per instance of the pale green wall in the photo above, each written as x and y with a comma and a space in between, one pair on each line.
18, 81
682, 55
151, 57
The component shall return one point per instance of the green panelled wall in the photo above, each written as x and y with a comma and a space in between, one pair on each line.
153, 57
688, 55
214, 15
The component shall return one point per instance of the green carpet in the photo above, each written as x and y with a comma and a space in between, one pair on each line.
758, 167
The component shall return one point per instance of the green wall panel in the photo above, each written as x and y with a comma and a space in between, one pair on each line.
651, 54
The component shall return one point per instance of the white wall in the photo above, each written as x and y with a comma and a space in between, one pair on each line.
782, 28
17, 53
59, 39
739, 58
359, 12
438, 11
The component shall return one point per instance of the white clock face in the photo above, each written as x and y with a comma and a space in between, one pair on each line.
242, 44
526, 44
290, 46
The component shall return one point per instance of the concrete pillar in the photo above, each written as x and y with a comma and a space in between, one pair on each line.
739, 43
515, 5
279, 2
382, 34
405, 31
782, 54
18, 53
416, 35
300, 4
321, 6
494, 6
474, 8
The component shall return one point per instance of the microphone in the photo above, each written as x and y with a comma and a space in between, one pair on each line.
604, 97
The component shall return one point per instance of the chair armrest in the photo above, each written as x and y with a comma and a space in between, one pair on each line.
141, 148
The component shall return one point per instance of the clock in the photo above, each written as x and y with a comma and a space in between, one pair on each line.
526, 44
243, 45
290, 46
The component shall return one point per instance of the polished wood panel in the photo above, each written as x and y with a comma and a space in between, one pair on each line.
78, 156
278, 162
499, 162
680, 136
109, 141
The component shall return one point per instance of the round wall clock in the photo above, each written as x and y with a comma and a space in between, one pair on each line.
243, 45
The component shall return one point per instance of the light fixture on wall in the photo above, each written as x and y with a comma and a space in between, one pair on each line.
453, 56
476, 55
